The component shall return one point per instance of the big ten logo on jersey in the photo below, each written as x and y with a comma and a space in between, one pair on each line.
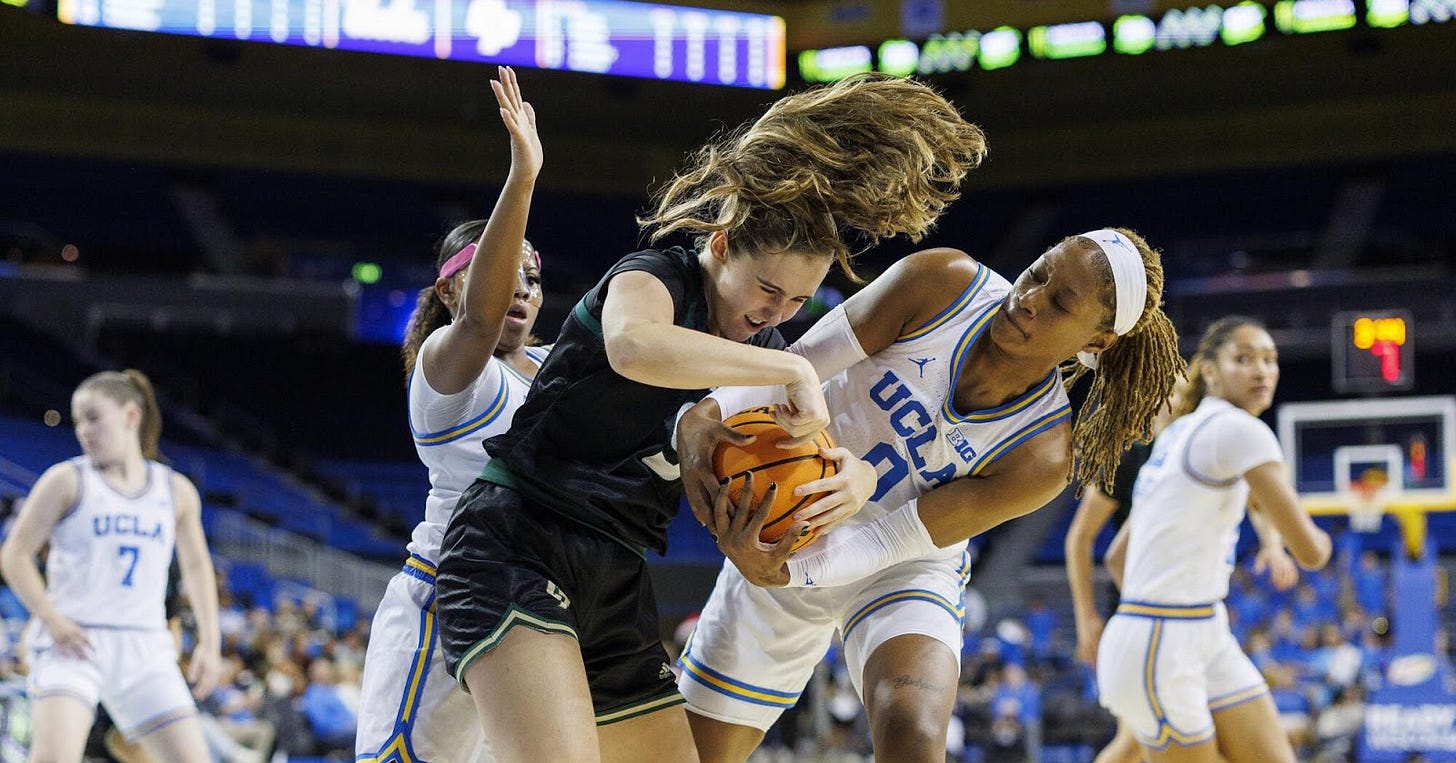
917, 432
127, 524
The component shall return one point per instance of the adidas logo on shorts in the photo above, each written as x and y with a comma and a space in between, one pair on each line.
665, 673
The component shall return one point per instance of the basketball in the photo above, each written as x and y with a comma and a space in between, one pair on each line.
768, 464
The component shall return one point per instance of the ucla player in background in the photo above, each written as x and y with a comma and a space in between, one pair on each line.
99, 629
946, 378
468, 366
1167, 665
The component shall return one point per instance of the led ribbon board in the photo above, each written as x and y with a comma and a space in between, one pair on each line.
1195, 26
598, 36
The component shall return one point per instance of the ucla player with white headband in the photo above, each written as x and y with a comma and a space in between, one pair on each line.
1167, 664
98, 633
469, 362
950, 381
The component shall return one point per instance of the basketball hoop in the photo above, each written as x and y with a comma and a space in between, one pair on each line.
1367, 504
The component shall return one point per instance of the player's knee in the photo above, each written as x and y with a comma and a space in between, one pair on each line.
907, 730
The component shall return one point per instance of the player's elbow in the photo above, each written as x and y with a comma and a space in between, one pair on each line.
628, 354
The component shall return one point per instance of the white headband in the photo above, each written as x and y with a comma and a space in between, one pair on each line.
1129, 281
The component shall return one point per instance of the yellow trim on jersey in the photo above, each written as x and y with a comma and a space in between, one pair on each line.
956, 609
396, 747
1022, 435
737, 689
1150, 662
484, 419
1166, 612
1229, 700
1166, 732
420, 564
983, 274
422, 665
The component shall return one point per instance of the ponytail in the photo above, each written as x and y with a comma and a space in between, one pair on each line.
430, 313
133, 386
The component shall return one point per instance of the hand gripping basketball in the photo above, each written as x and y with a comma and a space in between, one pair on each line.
769, 464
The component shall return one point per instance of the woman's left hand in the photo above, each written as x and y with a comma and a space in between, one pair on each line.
848, 490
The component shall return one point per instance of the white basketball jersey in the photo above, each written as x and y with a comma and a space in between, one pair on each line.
109, 555
448, 432
895, 409
1185, 515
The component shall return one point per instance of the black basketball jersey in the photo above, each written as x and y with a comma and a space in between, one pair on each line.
594, 445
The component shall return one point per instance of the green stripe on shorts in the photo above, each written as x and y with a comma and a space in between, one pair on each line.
514, 617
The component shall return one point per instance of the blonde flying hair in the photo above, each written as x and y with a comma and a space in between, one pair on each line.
133, 386
873, 156
1133, 378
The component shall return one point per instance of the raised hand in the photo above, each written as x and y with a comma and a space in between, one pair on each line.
520, 120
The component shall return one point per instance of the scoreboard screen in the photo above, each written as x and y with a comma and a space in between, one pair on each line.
1373, 351
631, 39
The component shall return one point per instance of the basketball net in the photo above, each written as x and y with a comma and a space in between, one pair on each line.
1367, 505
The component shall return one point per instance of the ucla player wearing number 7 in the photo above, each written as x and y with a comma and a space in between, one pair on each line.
945, 377
98, 630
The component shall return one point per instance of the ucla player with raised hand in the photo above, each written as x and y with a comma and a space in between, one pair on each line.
1167, 665
468, 365
946, 378
546, 608
113, 517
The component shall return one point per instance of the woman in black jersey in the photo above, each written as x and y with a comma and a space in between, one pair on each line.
553, 536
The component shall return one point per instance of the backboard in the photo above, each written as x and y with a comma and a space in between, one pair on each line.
1403, 445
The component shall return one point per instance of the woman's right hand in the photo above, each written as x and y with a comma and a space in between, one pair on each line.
805, 414
520, 119
1089, 632
700, 432
69, 638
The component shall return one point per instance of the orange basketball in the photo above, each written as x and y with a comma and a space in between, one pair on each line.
769, 463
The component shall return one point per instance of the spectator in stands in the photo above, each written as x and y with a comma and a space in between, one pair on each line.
1169, 641
546, 610
1338, 727
329, 717
1337, 661
1367, 583
468, 364
113, 518
238, 734
1294, 704
1041, 626
890, 577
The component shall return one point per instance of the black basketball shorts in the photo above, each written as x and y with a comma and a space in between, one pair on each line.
508, 562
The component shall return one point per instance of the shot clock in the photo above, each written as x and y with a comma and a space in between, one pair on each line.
1373, 351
